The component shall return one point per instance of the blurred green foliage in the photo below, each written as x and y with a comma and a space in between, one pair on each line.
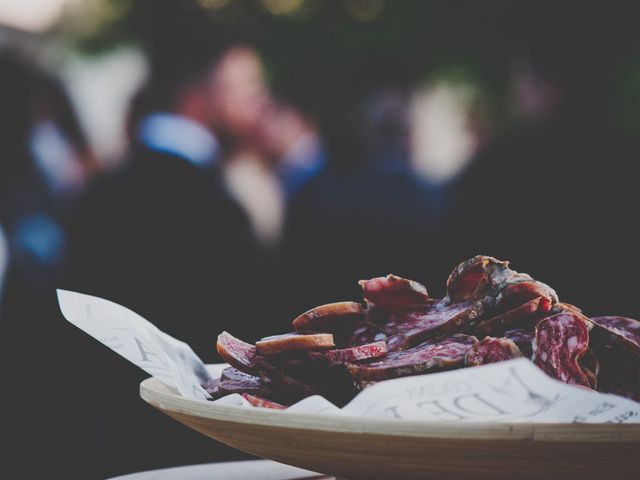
342, 45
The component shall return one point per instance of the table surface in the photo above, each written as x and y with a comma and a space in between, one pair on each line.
248, 469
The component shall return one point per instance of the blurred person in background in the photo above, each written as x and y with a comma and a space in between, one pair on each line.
555, 194
293, 145
366, 213
163, 237
241, 99
166, 218
44, 163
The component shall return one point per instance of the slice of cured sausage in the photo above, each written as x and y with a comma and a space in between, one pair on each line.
407, 329
245, 358
433, 355
523, 338
520, 316
294, 341
491, 350
618, 332
559, 343
237, 353
333, 317
478, 277
353, 354
487, 278
394, 293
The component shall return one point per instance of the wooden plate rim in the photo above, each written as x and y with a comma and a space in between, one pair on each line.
160, 396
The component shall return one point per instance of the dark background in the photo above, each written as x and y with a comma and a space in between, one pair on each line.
447, 129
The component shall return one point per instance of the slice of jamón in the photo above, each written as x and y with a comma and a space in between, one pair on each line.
353, 354
434, 355
294, 341
492, 350
407, 329
394, 293
559, 343
333, 317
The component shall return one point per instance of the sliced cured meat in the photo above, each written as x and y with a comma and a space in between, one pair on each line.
233, 374
280, 379
591, 367
233, 380
333, 317
245, 358
433, 355
521, 315
489, 279
363, 333
262, 402
212, 388
617, 332
362, 352
407, 329
294, 341
394, 293
523, 338
478, 277
559, 343
237, 353
521, 292
491, 350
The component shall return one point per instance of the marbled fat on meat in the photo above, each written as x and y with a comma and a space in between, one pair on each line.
559, 343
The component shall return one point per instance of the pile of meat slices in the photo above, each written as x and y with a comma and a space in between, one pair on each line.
490, 314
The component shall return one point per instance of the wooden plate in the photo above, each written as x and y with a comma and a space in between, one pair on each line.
369, 448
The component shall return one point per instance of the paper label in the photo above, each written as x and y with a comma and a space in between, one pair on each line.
128, 334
